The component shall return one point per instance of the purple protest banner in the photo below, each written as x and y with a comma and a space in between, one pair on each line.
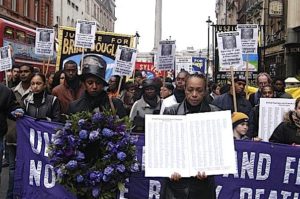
265, 170
34, 176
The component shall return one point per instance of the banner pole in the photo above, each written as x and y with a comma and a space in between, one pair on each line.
6, 78
44, 62
247, 76
81, 65
47, 67
233, 89
119, 86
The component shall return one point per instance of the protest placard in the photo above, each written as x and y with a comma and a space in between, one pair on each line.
249, 37
230, 51
166, 55
5, 58
44, 42
85, 33
125, 60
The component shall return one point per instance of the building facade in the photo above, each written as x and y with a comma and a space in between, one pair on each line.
226, 12
29, 13
102, 11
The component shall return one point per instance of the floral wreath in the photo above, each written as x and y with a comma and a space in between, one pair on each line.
93, 154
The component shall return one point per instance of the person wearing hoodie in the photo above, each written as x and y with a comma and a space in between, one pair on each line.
288, 131
149, 103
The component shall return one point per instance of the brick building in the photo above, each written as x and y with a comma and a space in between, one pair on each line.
30, 13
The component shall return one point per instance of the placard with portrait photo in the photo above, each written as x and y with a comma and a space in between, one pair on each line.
125, 61
249, 37
44, 42
166, 55
230, 50
5, 58
85, 33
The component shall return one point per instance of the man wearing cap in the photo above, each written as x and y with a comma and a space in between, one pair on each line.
95, 99
225, 101
72, 88
149, 103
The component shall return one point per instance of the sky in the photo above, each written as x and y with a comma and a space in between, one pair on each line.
184, 21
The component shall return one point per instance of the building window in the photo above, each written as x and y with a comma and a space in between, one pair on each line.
69, 2
72, 23
14, 5
73, 5
76, 7
36, 10
95, 9
25, 8
47, 15
58, 20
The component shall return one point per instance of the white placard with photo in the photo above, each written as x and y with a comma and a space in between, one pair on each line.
44, 41
166, 55
271, 113
230, 51
189, 143
5, 58
85, 33
125, 61
249, 37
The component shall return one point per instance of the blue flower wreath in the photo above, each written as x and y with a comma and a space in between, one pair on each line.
93, 154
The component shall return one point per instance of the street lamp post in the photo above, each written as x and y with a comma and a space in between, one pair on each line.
208, 31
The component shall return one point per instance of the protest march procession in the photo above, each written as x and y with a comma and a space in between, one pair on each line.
83, 115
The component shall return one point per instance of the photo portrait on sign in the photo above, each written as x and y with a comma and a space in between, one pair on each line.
247, 33
85, 28
166, 49
229, 42
4, 53
126, 55
44, 36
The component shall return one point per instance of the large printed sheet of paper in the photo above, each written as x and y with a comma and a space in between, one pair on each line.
271, 113
188, 144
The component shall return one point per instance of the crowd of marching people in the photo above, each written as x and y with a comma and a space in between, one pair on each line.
53, 96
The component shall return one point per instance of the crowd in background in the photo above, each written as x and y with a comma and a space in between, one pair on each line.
52, 96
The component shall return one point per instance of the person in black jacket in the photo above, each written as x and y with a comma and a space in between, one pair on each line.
8, 104
95, 99
38, 103
200, 186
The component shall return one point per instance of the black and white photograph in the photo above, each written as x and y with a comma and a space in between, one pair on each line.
85, 33
5, 58
125, 61
249, 37
166, 49
126, 55
229, 42
230, 50
44, 36
85, 28
247, 33
44, 44
4, 53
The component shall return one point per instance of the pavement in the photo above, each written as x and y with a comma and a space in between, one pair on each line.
4, 182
